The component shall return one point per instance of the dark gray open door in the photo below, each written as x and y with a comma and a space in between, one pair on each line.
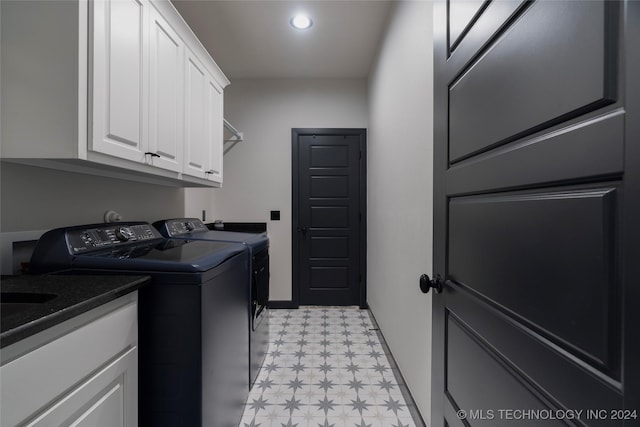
328, 216
537, 213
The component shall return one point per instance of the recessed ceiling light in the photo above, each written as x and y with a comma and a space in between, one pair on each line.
301, 22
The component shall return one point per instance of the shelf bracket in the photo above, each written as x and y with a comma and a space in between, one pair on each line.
236, 136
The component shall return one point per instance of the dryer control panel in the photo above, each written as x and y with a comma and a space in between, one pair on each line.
104, 236
181, 226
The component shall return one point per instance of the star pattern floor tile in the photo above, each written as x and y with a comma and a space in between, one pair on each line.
326, 367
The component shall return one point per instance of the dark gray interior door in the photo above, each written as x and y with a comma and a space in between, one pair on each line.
328, 210
537, 213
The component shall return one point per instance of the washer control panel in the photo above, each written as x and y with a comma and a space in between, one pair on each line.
181, 226
109, 235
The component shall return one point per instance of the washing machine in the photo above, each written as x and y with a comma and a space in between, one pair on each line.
193, 317
258, 280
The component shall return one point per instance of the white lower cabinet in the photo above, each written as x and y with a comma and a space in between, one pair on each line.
86, 376
110, 87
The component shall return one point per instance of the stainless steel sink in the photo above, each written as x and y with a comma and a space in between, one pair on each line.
15, 302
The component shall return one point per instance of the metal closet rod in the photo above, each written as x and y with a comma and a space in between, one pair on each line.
237, 134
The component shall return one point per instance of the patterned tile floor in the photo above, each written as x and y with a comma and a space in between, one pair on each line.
326, 367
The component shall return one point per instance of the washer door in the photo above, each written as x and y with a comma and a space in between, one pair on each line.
259, 287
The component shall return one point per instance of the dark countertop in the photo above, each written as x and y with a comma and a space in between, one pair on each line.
240, 227
60, 298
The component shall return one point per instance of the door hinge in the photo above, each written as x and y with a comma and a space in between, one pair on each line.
359, 216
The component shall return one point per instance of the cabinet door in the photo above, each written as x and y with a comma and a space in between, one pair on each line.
103, 400
215, 131
166, 94
196, 116
86, 376
119, 70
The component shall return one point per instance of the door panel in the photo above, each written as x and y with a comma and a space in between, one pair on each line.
527, 67
489, 21
329, 156
535, 111
166, 94
195, 135
215, 131
329, 278
329, 186
328, 200
196, 117
120, 60
511, 166
550, 369
567, 291
467, 383
330, 247
107, 411
125, 45
461, 15
331, 216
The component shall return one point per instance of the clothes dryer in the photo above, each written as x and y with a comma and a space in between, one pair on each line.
258, 280
193, 317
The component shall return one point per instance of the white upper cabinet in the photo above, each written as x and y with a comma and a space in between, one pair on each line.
204, 130
166, 94
119, 88
196, 150
215, 131
120, 52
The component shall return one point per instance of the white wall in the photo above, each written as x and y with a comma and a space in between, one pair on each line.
400, 201
35, 198
197, 200
257, 171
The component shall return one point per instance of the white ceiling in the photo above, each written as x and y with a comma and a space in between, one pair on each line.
253, 39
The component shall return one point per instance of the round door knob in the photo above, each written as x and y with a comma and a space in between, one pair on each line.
426, 283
